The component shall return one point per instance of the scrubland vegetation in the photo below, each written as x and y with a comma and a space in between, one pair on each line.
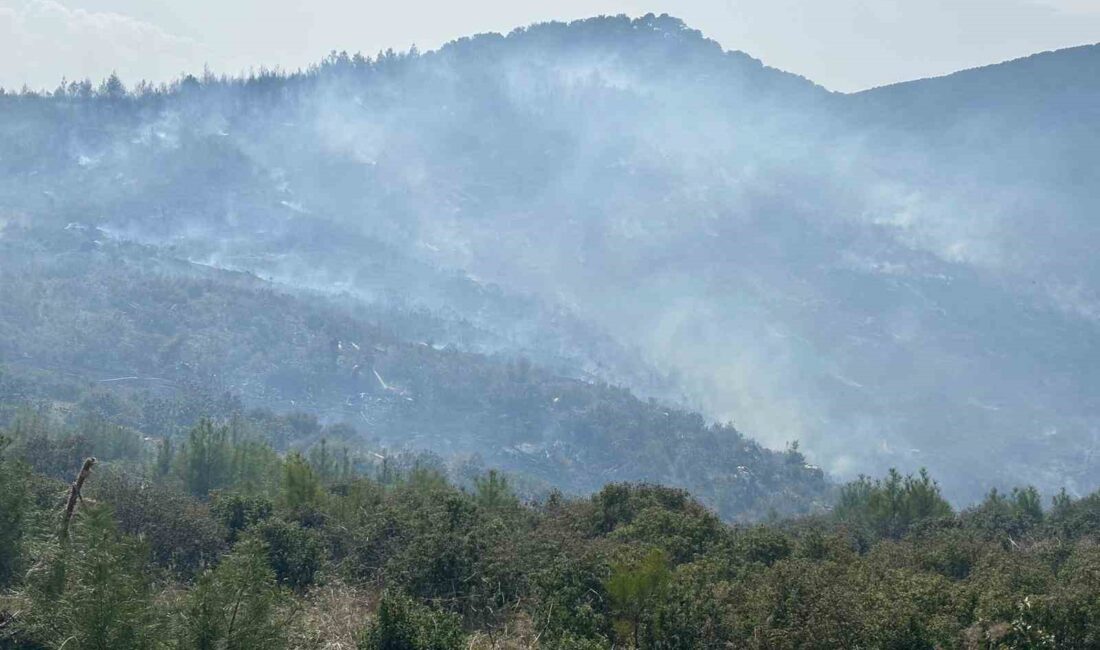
219, 541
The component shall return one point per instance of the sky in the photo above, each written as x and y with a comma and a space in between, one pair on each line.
844, 45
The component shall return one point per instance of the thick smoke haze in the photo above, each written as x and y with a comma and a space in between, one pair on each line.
903, 277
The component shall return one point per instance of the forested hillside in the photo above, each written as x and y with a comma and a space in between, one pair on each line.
876, 275
126, 334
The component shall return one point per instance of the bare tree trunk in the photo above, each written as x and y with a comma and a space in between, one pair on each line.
74, 494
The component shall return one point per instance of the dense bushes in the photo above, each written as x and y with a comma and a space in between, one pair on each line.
179, 532
293, 552
151, 564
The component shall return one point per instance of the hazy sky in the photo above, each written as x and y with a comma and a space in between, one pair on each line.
842, 44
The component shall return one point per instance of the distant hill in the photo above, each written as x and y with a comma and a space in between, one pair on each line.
901, 277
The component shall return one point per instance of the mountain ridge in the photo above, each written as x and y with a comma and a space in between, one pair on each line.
1033, 59
832, 268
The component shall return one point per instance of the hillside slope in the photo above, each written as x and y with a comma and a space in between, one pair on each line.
901, 277
100, 318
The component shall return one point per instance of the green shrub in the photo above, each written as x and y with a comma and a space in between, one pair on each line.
239, 512
295, 553
178, 529
403, 624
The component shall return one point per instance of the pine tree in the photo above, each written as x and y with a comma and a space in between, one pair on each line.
205, 459
493, 491
234, 607
300, 485
90, 592
634, 587
166, 454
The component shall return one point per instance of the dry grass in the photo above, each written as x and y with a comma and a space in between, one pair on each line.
10, 606
519, 633
330, 618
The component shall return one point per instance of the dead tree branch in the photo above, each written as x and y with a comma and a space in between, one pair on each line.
74, 495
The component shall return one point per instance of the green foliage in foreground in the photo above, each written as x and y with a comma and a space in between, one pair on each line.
13, 506
234, 605
403, 624
415, 562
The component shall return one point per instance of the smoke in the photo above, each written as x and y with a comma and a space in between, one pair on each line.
626, 199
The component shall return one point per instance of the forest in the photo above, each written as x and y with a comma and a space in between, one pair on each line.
219, 541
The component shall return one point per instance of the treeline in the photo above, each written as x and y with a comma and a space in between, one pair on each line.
638, 32
220, 542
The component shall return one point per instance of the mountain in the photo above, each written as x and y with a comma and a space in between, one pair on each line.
901, 277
